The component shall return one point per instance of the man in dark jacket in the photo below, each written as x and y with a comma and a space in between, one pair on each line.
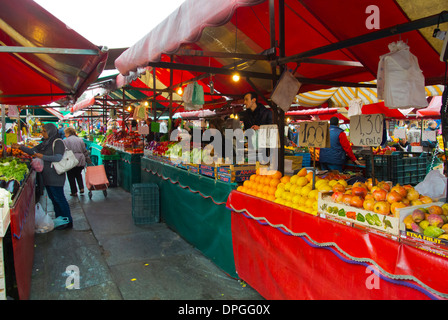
256, 114
334, 158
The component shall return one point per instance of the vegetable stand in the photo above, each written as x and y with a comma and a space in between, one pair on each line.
194, 206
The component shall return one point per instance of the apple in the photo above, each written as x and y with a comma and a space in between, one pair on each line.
382, 207
400, 190
393, 196
359, 191
412, 194
359, 184
368, 204
397, 205
357, 201
380, 194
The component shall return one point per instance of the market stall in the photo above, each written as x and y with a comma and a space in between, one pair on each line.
288, 254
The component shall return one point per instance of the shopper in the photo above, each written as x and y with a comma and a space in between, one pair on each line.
256, 114
334, 158
50, 151
77, 145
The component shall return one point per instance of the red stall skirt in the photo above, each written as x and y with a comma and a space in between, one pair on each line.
288, 254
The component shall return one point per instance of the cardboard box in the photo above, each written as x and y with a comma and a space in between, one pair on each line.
419, 239
327, 208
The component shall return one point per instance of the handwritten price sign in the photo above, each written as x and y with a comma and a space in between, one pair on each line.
314, 134
366, 130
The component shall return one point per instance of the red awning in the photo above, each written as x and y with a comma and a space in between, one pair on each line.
43, 77
381, 108
433, 110
243, 26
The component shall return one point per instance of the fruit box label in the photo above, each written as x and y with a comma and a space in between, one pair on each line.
359, 216
425, 239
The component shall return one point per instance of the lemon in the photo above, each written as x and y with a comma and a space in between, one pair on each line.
332, 183
314, 213
305, 190
313, 194
324, 188
302, 181
281, 186
296, 206
296, 199
288, 186
293, 188
279, 201
279, 193
315, 205
293, 179
288, 204
298, 189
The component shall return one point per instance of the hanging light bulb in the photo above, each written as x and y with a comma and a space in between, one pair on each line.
236, 77
146, 103
129, 108
179, 91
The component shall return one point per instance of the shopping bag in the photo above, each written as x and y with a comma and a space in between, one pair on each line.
42, 221
67, 162
433, 186
354, 107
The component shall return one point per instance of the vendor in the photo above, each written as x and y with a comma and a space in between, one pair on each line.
428, 145
256, 114
403, 145
334, 158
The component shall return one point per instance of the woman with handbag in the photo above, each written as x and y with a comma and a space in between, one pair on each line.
50, 151
77, 145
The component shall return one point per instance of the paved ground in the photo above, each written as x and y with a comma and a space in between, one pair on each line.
118, 260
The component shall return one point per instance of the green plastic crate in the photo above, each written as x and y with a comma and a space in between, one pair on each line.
145, 203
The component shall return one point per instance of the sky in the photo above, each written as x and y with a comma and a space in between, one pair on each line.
111, 23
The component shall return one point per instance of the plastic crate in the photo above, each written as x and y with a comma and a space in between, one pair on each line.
402, 167
145, 203
306, 158
111, 168
94, 159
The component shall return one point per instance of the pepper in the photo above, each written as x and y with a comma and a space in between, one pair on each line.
351, 215
360, 218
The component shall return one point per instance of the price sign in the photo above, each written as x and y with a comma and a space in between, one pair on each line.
428, 135
143, 130
11, 138
366, 130
400, 133
268, 136
314, 134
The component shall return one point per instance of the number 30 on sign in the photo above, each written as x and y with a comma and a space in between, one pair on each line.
366, 130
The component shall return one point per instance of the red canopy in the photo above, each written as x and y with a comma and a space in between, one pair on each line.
199, 29
34, 71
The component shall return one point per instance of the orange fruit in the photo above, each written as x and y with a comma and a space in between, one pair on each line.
277, 175
247, 183
252, 177
271, 197
302, 172
285, 179
274, 182
309, 176
271, 190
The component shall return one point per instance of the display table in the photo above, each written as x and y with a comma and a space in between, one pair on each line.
22, 231
129, 169
287, 254
195, 207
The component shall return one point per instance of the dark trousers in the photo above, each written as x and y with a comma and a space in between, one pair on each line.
74, 177
60, 204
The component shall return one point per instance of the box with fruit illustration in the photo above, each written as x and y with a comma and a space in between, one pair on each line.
329, 206
425, 224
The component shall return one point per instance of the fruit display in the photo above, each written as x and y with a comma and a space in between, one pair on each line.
108, 151
12, 169
294, 191
130, 142
430, 221
17, 153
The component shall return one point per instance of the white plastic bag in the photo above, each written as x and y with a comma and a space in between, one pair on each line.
400, 81
433, 186
42, 222
354, 107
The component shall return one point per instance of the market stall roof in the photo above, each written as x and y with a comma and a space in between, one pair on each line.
326, 43
42, 59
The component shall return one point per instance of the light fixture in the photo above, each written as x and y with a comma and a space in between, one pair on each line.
236, 77
129, 108
179, 91
146, 103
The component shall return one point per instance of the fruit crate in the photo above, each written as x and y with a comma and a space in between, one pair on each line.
306, 158
402, 167
235, 172
145, 203
418, 239
327, 208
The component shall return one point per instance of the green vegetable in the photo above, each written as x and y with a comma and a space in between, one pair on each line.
341, 212
360, 218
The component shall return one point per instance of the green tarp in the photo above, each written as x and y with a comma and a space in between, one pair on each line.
195, 207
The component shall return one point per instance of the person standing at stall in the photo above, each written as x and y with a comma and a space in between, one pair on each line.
51, 150
256, 114
334, 158
74, 175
